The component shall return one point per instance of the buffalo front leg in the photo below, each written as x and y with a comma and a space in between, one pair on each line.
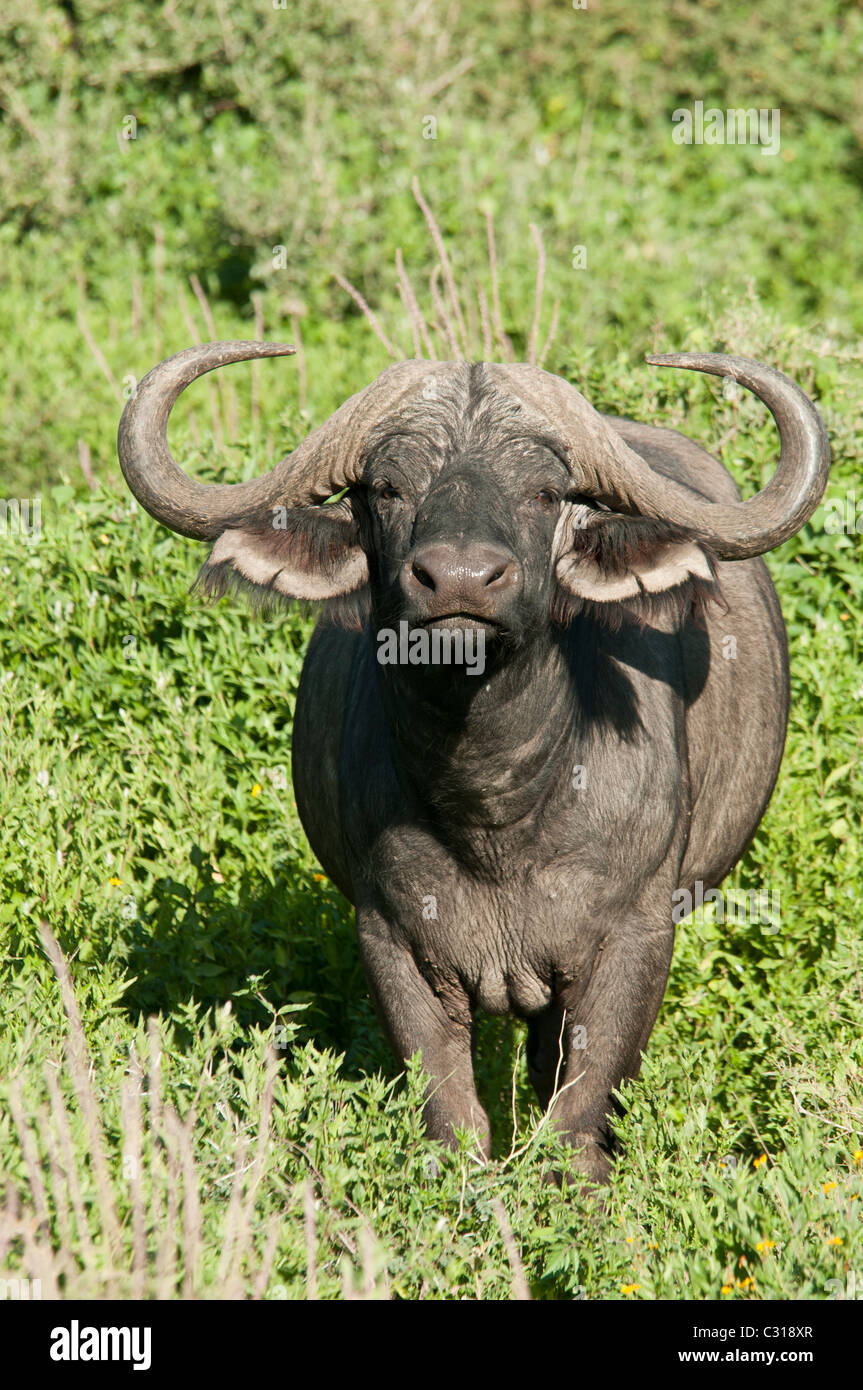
601, 1031
418, 1019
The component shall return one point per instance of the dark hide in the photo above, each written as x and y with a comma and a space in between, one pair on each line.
513, 842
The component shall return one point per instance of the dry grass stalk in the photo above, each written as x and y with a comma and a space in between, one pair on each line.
58, 1184
133, 1160
226, 386
30, 1152
158, 1164
537, 303
79, 1065
160, 1182
503, 341
551, 334
262, 1278
193, 1241
247, 1214
520, 1289
463, 328
85, 461
419, 328
63, 1132
485, 322
445, 325
95, 350
235, 1207
215, 413
448, 277
168, 1273
367, 312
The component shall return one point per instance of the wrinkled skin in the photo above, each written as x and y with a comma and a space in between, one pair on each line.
485, 871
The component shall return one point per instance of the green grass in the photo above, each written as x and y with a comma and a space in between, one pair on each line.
146, 813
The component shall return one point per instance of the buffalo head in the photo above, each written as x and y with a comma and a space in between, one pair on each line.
478, 495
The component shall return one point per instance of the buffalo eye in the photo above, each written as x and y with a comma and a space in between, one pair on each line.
546, 498
388, 493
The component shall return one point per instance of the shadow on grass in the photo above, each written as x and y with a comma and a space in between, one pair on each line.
257, 942
286, 941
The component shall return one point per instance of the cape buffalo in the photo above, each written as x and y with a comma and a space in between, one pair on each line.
513, 832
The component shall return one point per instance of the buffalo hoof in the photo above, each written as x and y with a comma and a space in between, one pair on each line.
590, 1170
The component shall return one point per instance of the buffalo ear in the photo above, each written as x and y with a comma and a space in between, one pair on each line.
618, 567
312, 554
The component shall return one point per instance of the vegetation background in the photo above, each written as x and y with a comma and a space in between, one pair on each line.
196, 1099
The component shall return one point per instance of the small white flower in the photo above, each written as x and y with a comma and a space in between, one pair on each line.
43, 778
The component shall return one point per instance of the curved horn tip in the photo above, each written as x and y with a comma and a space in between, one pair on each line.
277, 349
255, 347
720, 362
236, 349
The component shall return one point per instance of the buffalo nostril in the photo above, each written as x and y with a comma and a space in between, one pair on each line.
497, 573
423, 576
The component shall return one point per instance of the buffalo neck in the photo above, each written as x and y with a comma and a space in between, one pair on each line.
480, 754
